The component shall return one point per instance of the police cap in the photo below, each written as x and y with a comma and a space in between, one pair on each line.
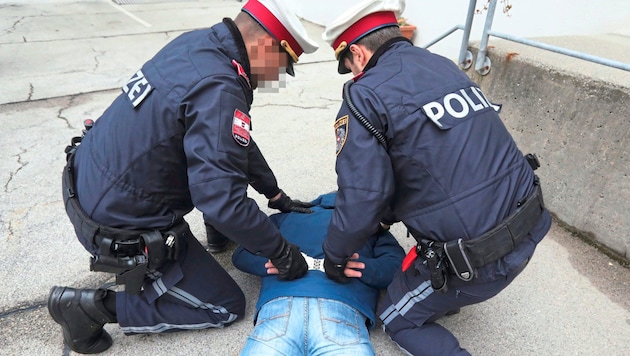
359, 21
283, 25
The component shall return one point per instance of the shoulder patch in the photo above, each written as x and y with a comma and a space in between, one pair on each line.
341, 132
240, 127
137, 88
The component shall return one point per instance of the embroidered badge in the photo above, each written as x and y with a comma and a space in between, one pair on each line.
341, 132
241, 72
240, 127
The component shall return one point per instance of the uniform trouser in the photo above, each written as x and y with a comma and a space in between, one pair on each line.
193, 292
410, 319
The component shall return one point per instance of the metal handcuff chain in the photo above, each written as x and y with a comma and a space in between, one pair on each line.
357, 114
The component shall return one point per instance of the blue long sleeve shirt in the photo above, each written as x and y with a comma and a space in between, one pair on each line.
381, 254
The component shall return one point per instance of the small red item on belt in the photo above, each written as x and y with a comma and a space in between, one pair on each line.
408, 260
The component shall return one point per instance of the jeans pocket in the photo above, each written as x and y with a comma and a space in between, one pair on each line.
341, 323
273, 319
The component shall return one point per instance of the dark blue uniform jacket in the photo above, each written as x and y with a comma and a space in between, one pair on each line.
177, 137
381, 254
451, 169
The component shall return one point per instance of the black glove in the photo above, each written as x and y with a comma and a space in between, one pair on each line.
286, 205
335, 271
289, 262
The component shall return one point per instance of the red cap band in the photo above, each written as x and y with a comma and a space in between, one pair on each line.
366, 25
272, 25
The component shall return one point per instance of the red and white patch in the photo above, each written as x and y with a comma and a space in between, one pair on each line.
240, 127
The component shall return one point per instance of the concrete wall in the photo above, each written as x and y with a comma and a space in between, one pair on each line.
580, 129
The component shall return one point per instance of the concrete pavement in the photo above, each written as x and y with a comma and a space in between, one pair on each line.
64, 61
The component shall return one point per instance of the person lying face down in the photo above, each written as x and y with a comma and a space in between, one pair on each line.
314, 310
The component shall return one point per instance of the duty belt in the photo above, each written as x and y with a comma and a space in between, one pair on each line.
127, 253
461, 256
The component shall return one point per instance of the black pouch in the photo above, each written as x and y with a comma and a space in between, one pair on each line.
458, 260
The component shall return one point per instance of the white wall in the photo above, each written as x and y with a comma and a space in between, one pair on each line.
528, 18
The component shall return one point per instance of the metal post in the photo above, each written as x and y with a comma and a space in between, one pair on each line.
465, 56
483, 64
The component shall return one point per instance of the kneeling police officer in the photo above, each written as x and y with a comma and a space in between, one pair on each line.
418, 142
178, 137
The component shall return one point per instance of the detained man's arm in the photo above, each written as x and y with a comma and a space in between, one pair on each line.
387, 259
249, 263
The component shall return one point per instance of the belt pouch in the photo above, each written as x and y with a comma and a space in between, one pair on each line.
459, 261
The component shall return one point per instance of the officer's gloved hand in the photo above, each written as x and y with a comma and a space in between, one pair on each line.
334, 271
286, 205
289, 262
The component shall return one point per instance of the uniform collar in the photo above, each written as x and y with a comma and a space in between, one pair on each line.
243, 58
382, 49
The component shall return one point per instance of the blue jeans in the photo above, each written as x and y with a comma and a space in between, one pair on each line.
308, 326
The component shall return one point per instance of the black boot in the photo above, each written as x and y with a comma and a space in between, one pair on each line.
217, 242
81, 318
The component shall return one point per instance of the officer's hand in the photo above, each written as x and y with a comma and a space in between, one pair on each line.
286, 205
336, 271
289, 263
353, 266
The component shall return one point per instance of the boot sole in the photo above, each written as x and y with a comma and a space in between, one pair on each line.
102, 343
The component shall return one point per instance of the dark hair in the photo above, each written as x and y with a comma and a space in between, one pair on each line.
248, 26
373, 41
377, 38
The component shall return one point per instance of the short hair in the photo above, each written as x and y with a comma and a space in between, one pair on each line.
250, 29
377, 38
374, 40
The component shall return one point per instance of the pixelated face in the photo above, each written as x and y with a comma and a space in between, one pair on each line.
268, 64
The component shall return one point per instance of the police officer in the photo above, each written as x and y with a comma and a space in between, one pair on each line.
178, 137
418, 142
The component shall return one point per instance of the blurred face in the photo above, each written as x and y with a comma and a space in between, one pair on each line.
268, 63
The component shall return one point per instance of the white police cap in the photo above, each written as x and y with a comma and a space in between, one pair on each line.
281, 23
359, 21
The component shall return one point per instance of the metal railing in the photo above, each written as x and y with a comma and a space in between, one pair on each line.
483, 63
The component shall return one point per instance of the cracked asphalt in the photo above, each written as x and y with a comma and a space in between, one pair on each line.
64, 61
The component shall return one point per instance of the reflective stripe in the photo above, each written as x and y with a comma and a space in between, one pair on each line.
195, 302
406, 302
159, 287
190, 300
162, 327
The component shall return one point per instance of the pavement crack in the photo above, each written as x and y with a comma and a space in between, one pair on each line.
97, 63
22, 309
15, 24
10, 230
64, 108
13, 174
30, 91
